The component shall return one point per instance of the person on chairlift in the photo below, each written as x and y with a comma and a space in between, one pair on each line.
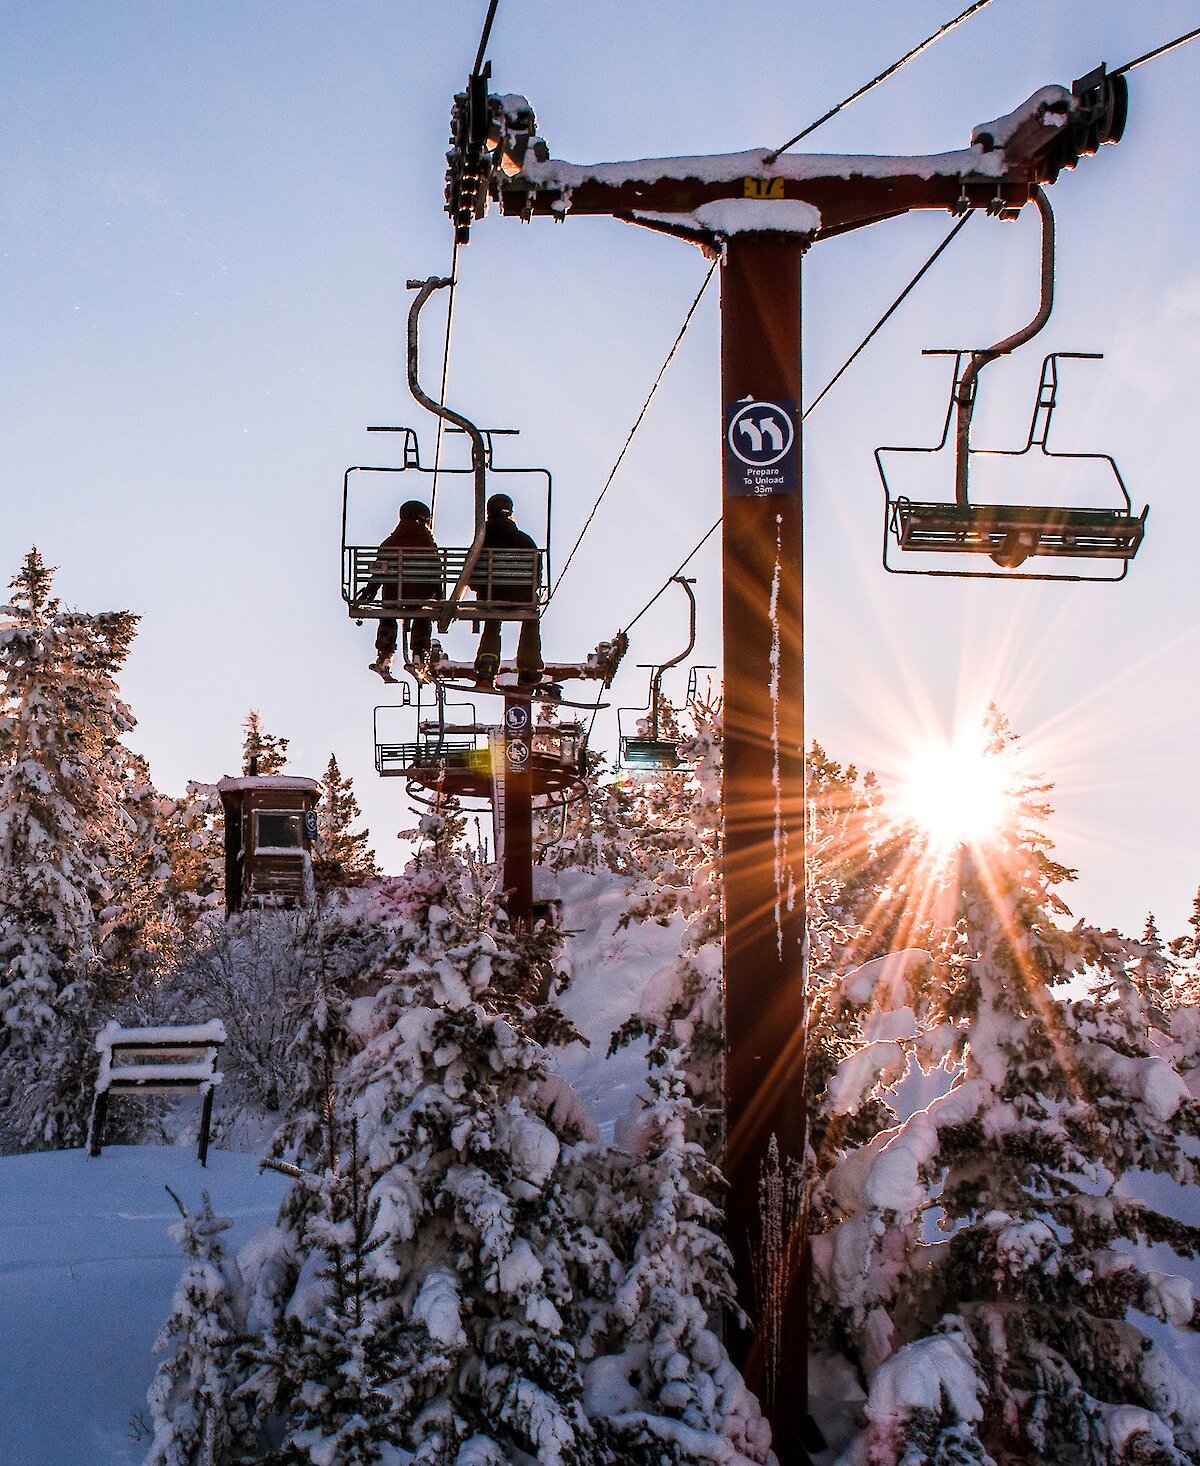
412, 532
501, 533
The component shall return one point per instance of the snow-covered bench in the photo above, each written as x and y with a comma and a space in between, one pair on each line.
164, 1060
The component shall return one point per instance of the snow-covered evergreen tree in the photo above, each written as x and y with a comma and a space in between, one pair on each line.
661, 1378
194, 1416
63, 823
140, 931
191, 830
342, 856
1155, 973
675, 843
977, 1261
263, 753
673, 1389
472, 1239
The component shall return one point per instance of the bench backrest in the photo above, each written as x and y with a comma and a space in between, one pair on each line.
158, 1060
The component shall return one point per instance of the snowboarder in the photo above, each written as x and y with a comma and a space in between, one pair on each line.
501, 533
421, 580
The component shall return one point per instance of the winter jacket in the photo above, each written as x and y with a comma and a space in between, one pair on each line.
502, 534
422, 574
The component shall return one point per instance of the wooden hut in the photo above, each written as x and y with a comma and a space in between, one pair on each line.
270, 824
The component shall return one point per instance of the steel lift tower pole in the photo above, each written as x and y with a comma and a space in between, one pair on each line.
760, 212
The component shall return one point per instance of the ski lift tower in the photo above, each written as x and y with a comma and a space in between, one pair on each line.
759, 212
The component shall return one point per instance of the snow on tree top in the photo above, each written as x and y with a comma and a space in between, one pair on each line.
268, 781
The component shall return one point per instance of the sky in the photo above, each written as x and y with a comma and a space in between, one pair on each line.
208, 215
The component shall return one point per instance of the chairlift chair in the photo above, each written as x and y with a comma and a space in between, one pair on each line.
375, 580
452, 754
442, 747
646, 749
1010, 534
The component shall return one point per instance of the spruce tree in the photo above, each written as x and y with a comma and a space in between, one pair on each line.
191, 830
343, 857
194, 1416
63, 824
672, 1270
675, 844
978, 1260
469, 1238
263, 753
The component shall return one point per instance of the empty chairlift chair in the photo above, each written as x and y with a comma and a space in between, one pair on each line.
454, 753
1009, 534
648, 747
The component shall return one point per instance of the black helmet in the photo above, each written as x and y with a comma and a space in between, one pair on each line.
414, 509
499, 504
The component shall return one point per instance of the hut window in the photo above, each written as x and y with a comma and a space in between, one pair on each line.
278, 830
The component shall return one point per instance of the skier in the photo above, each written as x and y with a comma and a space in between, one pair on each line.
501, 533
412, 532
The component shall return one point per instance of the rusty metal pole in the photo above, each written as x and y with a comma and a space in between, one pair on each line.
763, 805
518, 812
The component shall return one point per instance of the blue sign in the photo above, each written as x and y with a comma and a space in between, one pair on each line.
310, 823
761, 448
516, 718
517, 752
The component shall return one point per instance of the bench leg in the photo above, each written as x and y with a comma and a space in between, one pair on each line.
96, 1127
205, 1125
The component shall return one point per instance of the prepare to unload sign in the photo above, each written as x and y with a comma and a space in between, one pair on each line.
761, 452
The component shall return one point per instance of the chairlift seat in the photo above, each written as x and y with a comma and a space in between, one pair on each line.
1009, 534
374, 581
1097, 534
431, 757
649, 753
463, 767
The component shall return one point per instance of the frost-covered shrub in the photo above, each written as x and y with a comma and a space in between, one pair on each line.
262, 973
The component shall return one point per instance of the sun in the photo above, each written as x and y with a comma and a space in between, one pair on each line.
958, 791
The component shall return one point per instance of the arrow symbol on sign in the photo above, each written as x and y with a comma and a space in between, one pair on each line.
753, 433
771, 429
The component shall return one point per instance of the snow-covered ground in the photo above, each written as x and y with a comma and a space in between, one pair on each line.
87, 1271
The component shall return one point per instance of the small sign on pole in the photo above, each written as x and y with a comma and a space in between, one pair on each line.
761, 448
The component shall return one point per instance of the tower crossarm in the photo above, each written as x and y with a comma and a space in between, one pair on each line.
813, 195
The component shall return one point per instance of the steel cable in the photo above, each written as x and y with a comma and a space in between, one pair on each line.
883, 76
630, 436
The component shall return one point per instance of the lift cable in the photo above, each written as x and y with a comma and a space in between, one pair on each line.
883, 319
673, 576
1158, 51
476, 70
883, 76
874, 331
637, 424
485, 37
